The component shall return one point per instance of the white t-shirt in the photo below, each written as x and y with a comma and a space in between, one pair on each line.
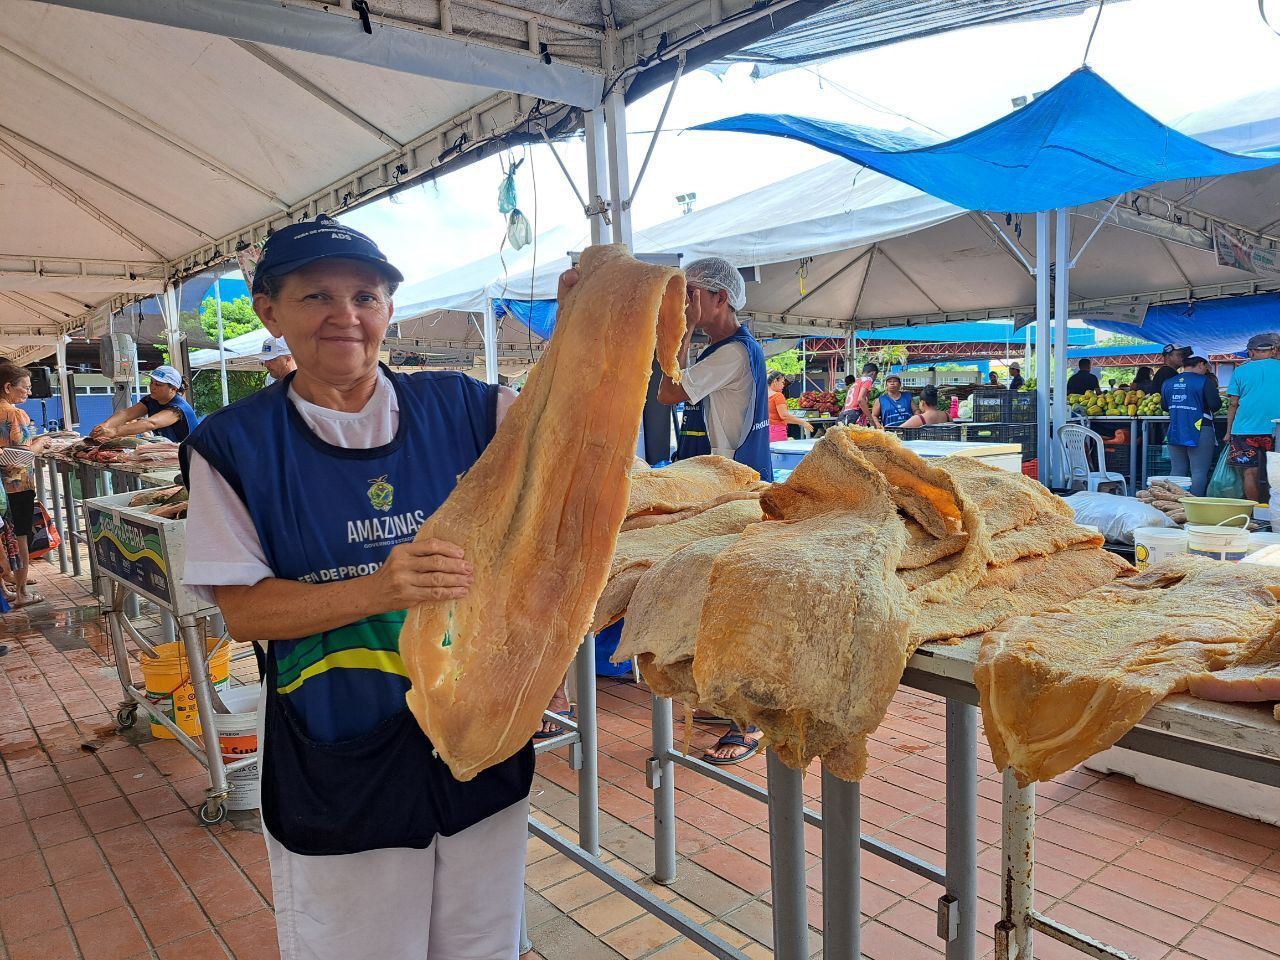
223, 546
725, 378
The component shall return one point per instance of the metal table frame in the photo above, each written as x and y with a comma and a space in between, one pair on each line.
1175, 729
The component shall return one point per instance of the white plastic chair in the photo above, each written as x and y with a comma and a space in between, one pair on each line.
1074, 441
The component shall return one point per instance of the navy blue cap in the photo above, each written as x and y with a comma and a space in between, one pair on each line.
293, 247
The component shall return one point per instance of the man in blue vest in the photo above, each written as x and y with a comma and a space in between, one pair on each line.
729, 381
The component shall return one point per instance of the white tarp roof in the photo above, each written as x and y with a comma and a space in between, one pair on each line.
873, 252
141, 140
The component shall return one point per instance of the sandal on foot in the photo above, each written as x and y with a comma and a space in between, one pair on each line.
750, 744
31, 598
556, 730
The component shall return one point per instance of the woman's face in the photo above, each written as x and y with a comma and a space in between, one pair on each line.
162, 392
18, 391
334, 314
776, 386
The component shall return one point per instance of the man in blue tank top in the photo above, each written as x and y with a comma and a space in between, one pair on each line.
730, 383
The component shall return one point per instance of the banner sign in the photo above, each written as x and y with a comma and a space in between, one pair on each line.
1132, 314
1244, 254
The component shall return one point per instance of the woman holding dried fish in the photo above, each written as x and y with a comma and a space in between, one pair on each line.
305, 500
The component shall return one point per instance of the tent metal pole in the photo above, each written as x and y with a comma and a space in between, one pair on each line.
172, 325
1042, 346
490, 342
615, 114
1061, 310
597, 173
222, 353
64, 386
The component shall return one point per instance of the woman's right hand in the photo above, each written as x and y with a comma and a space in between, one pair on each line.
422, 571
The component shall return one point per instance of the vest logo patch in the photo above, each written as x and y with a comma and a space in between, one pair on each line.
381, 494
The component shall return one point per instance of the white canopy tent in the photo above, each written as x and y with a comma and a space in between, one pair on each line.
145, 141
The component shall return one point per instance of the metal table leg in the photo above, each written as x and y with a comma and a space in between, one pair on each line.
74, 533
56, 501
89, 490
201, 685
841, 869
958, 907
786, 855
588, 782
1014, 932
662, 780
1133, 457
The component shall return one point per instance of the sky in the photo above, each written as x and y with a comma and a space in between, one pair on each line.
1172, 57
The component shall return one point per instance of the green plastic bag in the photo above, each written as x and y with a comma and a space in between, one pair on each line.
1226, 480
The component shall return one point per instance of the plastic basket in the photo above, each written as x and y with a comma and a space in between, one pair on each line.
995, 405
936, 431
1021, 433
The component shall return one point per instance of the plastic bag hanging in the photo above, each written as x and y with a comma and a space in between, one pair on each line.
507, 190
519, 233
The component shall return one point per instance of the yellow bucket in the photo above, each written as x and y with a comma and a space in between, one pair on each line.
168, 681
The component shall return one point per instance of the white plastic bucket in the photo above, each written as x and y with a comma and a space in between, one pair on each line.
1153, 544
1183, 482
238, 738
1218, 543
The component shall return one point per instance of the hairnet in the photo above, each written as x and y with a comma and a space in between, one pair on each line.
715, 273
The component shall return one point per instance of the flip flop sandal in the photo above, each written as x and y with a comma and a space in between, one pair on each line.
30, 600
733, 740
570, 714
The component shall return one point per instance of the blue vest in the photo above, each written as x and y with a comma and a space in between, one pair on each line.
341, 740
894, 412
1183, 398
180, 428
754, 450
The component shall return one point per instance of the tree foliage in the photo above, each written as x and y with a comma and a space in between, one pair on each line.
238, 318
1121, 340
787, 363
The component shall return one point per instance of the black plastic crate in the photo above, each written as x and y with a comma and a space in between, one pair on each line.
995, 405
1155, 453
1023, 433
936, 431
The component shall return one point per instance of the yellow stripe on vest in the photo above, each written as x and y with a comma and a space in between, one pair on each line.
385, 661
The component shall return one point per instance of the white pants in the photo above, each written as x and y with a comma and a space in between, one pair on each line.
459, 899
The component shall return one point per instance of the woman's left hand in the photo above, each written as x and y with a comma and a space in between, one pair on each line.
103, 432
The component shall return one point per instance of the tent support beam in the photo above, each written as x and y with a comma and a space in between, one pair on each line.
1043, 454
1061, 312
292, 75
53, 183
597, 211
1089, 239
35, 306
104, 182
848, 266
565, 170
132, 117
1148, 212
64, 382
657, 131
862, 286
910, 280
1173, 261
1009, 245
33, 314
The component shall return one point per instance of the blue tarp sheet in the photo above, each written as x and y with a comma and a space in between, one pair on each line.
538, 315
1210, 326
1079, 142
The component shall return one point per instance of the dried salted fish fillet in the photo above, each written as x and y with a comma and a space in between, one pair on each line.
923, 548
637, 550
934, 500
538, 516
1251, 676
686, 483
662, 619
1060, 685
810, 651
1045, 534
1024, 586
657, 519
1006, 500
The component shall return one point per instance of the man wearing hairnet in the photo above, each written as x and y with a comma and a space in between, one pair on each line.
728, 383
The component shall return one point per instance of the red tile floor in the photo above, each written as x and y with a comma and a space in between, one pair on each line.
101, 857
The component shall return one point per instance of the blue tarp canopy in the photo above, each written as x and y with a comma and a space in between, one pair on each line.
1210, 326
538, 315
967, 333
1079, 142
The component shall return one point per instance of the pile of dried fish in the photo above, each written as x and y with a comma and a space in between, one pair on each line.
167, 502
